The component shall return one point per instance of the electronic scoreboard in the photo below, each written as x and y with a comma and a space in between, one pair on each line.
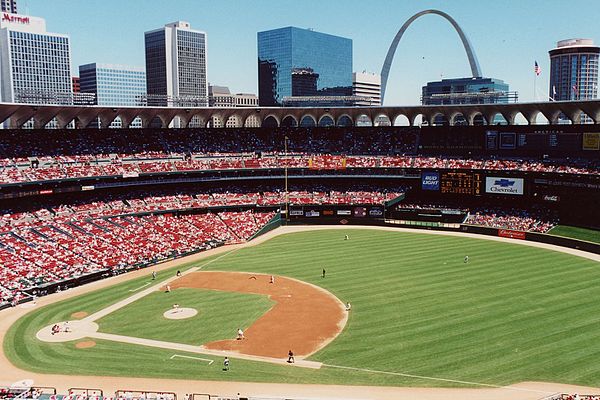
461, 183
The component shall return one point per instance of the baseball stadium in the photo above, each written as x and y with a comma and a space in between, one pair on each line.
300, 262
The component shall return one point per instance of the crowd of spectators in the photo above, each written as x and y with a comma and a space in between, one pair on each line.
31, 170
532, 220
58, 242
27, 156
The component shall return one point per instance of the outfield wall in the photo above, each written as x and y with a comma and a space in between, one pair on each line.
441, 226
534, 237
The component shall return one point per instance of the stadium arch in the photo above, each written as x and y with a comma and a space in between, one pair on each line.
385, 70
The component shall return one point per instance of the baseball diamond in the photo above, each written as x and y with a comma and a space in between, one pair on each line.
409, 324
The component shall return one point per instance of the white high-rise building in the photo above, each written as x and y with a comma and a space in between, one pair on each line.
176, 66
35, 65
368, 86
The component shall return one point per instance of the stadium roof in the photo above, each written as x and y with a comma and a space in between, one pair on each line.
16, 115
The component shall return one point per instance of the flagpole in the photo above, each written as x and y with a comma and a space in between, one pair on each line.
534, 85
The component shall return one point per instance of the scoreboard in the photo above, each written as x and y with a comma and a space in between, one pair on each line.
460, 183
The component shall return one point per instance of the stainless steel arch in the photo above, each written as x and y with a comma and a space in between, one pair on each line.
385, 71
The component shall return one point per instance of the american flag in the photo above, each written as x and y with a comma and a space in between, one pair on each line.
537, 69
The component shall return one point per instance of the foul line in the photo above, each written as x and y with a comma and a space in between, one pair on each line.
490, 385
193, 358
141, 287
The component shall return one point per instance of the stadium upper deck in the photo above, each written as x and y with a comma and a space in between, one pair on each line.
18, 114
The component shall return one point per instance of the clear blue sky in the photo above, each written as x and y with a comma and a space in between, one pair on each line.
508, 35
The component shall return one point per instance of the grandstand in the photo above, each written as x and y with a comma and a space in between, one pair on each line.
102, 202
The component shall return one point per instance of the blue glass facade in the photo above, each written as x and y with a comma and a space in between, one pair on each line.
156, 67
290, 59
574, 72
467, 91
113, 85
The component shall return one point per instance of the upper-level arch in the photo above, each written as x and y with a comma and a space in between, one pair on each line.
385, 71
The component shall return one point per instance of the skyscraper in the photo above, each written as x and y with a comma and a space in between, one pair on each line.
367, 86
574, 70
114, 85
9, 6
467, 91
291, 60
176, 66
35, 64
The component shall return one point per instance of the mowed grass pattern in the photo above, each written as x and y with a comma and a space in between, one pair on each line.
575, 232
220, 314
513, 313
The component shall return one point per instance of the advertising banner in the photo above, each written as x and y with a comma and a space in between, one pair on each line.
430, 181
360, 211
376, 212
508, 140
344, 212
491, 140
497, 185
507, 233
591, 141
551, 198
312, 213
297, 212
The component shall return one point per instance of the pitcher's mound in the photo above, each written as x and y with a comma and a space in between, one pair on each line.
180, 313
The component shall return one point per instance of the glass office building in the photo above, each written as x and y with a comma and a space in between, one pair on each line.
303, 64
574, 70
467, 91
114, 85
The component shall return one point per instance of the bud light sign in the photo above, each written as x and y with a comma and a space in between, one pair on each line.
430, 181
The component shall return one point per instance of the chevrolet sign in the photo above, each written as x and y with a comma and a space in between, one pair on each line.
496, 185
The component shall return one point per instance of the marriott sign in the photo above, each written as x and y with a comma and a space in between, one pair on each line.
6, 17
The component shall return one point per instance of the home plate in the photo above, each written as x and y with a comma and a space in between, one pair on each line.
180, 313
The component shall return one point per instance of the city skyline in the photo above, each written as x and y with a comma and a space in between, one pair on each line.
498, 33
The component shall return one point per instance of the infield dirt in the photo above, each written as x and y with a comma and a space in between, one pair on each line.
303, 319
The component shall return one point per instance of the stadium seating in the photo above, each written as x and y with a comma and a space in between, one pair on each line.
11, 172
49, 155
532, 220
54, 244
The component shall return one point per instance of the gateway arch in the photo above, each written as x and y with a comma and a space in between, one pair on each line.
385, 71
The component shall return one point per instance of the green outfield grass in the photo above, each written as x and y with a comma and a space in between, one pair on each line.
513, 313
574, 232
220, 314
